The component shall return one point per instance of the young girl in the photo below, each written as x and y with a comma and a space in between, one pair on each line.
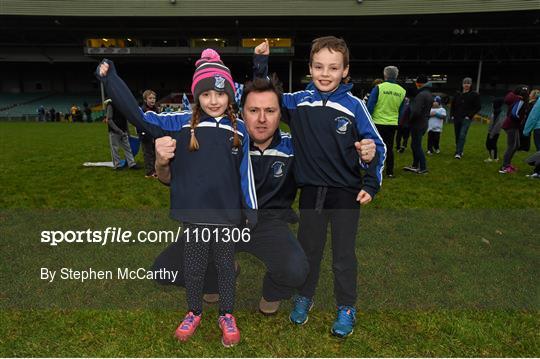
211, 180
437, 116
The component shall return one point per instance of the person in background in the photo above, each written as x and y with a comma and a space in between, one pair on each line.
464, 106
373, 85
494, 130
525, 139
41, 113
87, 112
516, 101
403, 131
419, 117
73, 112
533, 125
435, 125
118, 136
385, 104
52, 114
147, 141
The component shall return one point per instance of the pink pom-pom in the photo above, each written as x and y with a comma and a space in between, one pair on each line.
210, 55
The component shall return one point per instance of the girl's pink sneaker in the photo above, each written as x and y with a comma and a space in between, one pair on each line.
231, 334
187, 328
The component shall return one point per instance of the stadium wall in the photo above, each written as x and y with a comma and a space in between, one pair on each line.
199, 8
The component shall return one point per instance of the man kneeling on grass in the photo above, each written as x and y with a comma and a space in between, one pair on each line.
271, 240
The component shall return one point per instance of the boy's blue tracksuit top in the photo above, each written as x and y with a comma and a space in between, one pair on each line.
323, 135
209, 186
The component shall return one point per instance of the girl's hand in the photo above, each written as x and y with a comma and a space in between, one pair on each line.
103, 69
363, 197
165, 147
263, 48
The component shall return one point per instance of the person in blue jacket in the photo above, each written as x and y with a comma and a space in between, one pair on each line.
533, 124
327, 125
212, 185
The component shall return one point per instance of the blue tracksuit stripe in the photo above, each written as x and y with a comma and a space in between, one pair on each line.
290, 100
246, 174
368, 130
171, 121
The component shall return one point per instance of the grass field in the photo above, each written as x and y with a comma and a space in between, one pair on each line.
448, 262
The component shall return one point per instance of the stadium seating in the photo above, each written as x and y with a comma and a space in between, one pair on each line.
26, 105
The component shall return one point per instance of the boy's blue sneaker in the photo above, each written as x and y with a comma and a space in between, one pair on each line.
344, 323
302, 306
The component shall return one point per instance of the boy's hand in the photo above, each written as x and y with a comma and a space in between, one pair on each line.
165, 147
103, 69
263, 48
366, 149
363, 197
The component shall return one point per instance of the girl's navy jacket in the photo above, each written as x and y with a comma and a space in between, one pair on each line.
213, 185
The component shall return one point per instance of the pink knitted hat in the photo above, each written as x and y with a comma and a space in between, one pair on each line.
211, 74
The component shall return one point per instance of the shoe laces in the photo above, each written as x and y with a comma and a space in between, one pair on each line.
346, 315
302, 302
229, 323
188, 321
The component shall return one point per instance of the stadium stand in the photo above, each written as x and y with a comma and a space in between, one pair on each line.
25, 106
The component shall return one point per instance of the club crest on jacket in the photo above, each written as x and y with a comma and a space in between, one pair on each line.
341, 124
277, 168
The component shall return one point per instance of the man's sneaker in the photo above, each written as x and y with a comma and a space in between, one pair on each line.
229, 330
344, 323
410, 169
390, 176
302, 306
187, 328
211, 298
135, 167
422, 172
489, 159
437, 151
457, 156
534, 175
429, 153
268, 308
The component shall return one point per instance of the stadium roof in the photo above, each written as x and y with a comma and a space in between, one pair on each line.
200, 8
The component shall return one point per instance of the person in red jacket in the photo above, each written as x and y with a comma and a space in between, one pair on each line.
516, 101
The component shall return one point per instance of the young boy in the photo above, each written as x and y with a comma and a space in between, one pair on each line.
327, 122
147, 141
435, 125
